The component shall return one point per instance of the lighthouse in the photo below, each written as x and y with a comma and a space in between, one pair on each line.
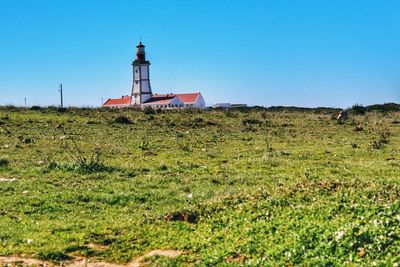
141, 89
142, 96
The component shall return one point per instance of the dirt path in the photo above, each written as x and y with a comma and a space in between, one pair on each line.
84, 262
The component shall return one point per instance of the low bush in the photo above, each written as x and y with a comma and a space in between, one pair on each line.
4, 163
149, 110
358, 109
36, 108
122, 119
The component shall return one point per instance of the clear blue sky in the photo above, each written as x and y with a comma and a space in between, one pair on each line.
266, 52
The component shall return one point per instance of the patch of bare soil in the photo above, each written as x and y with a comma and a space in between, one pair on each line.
140, 261
84, 262
20, 261
235, 258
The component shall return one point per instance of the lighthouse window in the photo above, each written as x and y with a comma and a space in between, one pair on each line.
136, 71
136, 82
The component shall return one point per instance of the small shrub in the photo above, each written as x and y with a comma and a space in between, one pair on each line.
122, 119
149, 110
52, 165
3, 163
377, 144
198, 120
384, 136
84, 163
163, 167
144, 145
36, 108
185, 147
91, 164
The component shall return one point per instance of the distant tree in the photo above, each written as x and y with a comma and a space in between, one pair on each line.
358, 109
36, 108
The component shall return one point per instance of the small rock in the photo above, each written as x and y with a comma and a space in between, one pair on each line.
2, 179
25, 192
29, 241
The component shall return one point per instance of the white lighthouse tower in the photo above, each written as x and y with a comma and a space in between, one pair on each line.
141, 89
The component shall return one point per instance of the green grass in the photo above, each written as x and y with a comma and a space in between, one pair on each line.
249, 187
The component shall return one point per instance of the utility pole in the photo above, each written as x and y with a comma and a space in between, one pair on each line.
25, 101
61, 94
102, 102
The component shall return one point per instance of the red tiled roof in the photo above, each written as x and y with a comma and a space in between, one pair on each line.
185, 98
124, 100
188, 98
158, 101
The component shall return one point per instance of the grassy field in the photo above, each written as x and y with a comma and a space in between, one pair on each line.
249, 187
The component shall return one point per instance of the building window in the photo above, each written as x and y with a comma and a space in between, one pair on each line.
136, 71
136, 82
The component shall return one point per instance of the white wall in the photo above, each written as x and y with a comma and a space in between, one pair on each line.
200, 103
144, 69
141, 83
176, 103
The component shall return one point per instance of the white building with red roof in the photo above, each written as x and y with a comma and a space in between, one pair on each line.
142, 96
